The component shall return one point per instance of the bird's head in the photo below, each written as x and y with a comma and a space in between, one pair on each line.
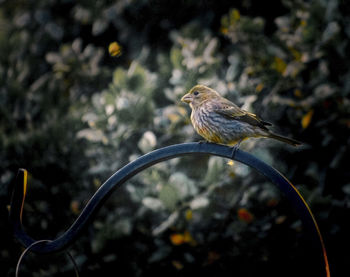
198, 94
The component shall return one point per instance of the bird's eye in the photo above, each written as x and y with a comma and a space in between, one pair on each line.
196, 93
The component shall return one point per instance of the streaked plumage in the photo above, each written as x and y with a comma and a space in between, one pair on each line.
219, 120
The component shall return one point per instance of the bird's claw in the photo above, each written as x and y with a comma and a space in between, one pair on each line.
234, 149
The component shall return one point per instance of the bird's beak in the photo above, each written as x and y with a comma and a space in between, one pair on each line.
187, 98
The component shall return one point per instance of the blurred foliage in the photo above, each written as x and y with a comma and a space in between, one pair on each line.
87, 86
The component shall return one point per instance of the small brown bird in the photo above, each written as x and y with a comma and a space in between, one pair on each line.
219, 120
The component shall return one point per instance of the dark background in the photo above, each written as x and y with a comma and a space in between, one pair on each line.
72, 114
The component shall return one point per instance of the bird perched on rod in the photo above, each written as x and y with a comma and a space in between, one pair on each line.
219, 120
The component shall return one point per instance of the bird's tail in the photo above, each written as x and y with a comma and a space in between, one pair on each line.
285, 139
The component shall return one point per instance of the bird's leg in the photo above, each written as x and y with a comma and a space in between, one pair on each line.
202, 141
235, 148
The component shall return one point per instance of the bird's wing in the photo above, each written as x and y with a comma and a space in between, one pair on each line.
231, 111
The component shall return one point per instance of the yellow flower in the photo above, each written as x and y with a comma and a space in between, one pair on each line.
177, 239
305, 121
259, 87
279, 65
245, 216
230, 163
298, 93
75, 207
114, 49
235, 15
188, 215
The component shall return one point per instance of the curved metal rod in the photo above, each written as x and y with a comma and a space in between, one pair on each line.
44, 241
143, 162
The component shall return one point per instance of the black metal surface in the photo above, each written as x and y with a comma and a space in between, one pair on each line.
143, 162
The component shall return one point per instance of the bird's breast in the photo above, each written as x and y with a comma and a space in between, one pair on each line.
202, 120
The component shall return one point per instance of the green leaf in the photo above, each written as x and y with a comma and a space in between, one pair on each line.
169, 196
176, 58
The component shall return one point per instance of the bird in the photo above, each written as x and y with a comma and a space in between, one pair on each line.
220, 121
